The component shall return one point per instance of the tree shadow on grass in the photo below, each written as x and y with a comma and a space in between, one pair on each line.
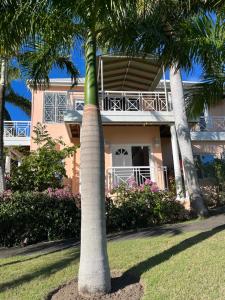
33, 257
134, 273
42, 272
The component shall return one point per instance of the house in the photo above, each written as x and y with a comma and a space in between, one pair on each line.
137, 117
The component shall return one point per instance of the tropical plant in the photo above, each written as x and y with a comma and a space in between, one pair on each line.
86, 21
11, 96
58, 25
44, 167
19, 30
168, 29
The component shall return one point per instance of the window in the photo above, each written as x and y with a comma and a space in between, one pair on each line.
79, 104
121, 151
54, 106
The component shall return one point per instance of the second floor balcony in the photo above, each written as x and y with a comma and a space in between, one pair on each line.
115, 106
125, 101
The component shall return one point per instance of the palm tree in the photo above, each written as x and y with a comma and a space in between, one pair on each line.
18, 32
165, 29
87, 21
84, 21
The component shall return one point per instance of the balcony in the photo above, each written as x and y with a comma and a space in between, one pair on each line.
211, 128
123, 107
125, 101
122, 175
17, 133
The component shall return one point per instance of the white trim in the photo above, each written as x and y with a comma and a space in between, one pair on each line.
207, 136
125, 117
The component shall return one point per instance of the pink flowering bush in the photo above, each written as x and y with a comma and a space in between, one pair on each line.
134, 205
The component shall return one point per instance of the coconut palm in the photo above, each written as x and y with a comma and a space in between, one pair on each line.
18, 30
166, 28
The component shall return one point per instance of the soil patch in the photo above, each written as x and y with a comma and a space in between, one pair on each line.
124, 287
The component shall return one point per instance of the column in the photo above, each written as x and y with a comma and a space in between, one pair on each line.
176, 163
7, 164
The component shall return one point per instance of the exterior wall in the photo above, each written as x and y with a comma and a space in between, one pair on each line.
134, 135
217, 110
214, 147
56, 130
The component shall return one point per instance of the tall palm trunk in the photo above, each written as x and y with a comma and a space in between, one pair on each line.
2, 107
94, 273
184, 140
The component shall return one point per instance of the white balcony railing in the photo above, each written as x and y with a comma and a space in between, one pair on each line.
122, 175
125, 101
17, 129
210, 124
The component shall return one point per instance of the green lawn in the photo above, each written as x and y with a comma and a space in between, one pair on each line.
185, 266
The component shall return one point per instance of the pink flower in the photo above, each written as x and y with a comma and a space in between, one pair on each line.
154, 188
148, 182
131, 182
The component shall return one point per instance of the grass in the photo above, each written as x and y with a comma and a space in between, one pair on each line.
184, 266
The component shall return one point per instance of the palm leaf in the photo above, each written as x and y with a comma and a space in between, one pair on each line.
19, 101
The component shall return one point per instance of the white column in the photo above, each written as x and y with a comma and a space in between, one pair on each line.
7, 164
176, 163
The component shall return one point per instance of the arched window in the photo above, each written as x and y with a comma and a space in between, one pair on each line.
121, 151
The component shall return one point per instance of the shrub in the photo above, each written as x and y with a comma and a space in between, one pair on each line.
213, 182
38, 217
141, 206
55, 213
44, 167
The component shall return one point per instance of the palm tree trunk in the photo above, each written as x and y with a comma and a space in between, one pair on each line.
94, 273
184, 140
2, 108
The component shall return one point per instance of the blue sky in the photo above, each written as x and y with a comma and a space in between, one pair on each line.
21, 88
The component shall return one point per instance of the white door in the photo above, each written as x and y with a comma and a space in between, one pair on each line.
121, 156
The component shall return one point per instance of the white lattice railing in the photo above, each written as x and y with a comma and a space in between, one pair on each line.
17, 129
125, 101
211, 124
122, 175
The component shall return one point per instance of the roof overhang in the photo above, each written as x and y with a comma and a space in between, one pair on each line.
119, 72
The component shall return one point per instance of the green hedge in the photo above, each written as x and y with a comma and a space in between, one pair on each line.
56, 214
38, 217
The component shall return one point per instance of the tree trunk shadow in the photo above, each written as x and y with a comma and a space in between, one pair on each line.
133, 275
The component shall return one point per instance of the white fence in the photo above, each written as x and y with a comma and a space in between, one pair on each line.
124, 175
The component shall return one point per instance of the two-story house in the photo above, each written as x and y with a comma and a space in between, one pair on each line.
137, 118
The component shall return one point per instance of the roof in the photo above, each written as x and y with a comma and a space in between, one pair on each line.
129, 73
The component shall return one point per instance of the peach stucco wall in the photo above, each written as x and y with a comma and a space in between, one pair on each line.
135, 135
214, 147
56, 130
218, 110
148, 135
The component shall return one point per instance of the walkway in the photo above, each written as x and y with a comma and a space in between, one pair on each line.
173, 229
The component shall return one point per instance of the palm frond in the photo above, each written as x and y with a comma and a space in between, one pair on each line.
7, 116
19, 101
